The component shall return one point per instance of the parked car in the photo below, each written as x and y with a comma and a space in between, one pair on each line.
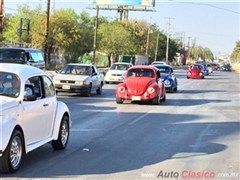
141, 83
226, 67
117, 72
159, 62
31, 115
79, 78
33, 57
168, 77
195, 71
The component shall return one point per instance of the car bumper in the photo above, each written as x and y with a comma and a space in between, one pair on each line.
113, 79
143, 97
195, 77
71, 88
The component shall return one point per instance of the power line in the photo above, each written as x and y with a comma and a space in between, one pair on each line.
211, 6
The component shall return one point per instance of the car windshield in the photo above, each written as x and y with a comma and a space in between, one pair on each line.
163, 69
146, 73
76, 70
119, 67
9, 84
12, 55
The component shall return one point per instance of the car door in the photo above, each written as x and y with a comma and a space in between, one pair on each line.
35, 114
95, 78
50, 105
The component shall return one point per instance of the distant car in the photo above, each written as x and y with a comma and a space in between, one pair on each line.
159, 62
117, 72
79, 78
195, 71
214, 66
209, 67
226, 67
168, 77
141, 83
204, 66
33, 57
31, 115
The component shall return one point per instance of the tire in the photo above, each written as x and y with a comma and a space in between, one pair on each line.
89, 91
176, 89
12, 156
119, 100
107, 82
188, 77
164, 98
63, 135
156, 100
99, 90
172, 89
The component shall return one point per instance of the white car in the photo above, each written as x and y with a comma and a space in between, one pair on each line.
30, 114
79, 78
117, 72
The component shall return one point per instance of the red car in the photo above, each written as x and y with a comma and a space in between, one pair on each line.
141, 83
195, 71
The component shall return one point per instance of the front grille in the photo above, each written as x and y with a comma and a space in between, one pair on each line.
67, 82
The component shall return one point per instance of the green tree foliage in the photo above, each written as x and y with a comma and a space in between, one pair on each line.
235, 56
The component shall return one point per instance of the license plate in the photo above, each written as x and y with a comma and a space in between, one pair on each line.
136, 98
66, 86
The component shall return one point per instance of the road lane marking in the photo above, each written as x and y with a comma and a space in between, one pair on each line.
139, 118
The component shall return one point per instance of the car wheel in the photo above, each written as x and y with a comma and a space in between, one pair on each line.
12, 156
99, 90
63, 135
156, 100
175, 89
107, 82
119, 100
188, 77
88, 93
171, 89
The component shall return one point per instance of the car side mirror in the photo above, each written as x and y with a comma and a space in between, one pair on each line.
94, 74
30, 98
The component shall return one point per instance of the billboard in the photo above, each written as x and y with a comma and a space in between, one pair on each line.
124, 2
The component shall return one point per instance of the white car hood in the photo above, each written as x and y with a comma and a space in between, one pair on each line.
116, 71
7, 103
70, 77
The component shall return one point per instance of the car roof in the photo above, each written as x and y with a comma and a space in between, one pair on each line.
79, 64
143, 67
122, 63
8, 48
24, 71
162, 65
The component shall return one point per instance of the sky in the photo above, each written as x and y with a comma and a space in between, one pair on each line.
208, 23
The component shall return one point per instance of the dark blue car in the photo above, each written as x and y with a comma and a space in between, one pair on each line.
168, 77
205, 68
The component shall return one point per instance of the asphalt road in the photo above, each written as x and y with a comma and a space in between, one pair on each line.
195, 132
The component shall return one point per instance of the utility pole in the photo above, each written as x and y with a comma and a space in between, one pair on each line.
95, 36
1, 17
189, 58
156, 50
149, 28
168, 33
46, 31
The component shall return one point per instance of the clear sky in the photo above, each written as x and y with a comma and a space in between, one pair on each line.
213, 24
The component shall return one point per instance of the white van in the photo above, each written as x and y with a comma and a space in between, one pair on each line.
33, 57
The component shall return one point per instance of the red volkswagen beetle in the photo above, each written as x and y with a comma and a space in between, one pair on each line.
195, 71
141, 83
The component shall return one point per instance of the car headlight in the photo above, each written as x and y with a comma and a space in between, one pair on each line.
56, 81
151, 90
167, 82
81, 82
121, 89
